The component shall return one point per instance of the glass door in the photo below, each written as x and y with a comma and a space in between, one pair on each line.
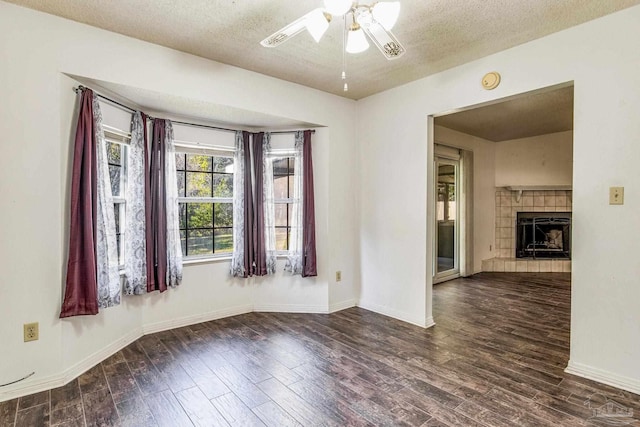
447, 220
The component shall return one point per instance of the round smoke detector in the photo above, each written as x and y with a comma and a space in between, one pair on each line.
491, 80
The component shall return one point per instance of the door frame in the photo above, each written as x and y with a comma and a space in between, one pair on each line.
451, 156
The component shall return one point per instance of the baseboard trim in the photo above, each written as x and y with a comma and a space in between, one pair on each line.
398, 315
290, 308
604, 377
74, 371
198, 318
430, 322
342, 305
58, 380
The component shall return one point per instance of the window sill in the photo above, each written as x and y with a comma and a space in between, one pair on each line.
205, 260
195, 261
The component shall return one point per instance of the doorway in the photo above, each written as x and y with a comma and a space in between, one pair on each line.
447, 245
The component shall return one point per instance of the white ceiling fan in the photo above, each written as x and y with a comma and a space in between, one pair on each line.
375, 20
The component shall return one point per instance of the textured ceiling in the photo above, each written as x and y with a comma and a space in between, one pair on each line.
524, 116
438, 34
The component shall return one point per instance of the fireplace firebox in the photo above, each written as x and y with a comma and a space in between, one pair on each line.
543, 235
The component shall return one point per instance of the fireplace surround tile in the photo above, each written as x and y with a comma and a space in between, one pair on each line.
556, 266
507, 207
521, 266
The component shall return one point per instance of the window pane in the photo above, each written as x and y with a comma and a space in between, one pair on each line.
182, 215
198, 162
116, 213
291, 163
223, 164
223, 215
281, 239
114, 176
200, 242
223, 240
180, 162
200, 215
183, 242
222, 185
181, 184
280, 213
119, 240
114, 153
280, 187
280, 166
198, 184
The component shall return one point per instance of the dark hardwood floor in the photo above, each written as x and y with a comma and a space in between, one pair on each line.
495, 358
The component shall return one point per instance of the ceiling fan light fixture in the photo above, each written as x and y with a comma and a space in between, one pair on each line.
317, 23
356, 40
386, 13
337, 7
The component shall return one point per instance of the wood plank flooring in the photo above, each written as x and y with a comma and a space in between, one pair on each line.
495, 358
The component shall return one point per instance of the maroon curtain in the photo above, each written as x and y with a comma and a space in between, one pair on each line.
309, 266
248, 207
157, 242
81, 291
259, 250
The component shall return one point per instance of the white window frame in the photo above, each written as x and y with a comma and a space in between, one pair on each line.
113, 135
186, 148
277, 154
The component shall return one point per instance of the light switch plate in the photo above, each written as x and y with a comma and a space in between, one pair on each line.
616, 195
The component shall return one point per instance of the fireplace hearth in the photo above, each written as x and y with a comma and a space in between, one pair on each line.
543, 235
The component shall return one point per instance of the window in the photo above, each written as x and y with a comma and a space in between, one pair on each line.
117, 159
205, 196
283, 170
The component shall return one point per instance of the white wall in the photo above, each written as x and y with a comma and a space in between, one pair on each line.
394, 126
36, 115
484, 215
538, 160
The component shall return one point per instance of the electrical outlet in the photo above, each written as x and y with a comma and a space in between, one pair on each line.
31, 332
338, 276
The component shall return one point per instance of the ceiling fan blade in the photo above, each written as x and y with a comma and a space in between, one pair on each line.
285, 33
316, 22
384, 40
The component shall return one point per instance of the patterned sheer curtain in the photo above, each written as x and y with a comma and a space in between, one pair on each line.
269, 206
174, 247
294, 263
135, 254
238, 267
106, 244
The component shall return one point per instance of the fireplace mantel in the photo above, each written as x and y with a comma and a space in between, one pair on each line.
521, 188
537, 187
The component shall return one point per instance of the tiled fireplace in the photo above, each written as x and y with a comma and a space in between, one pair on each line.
508, 204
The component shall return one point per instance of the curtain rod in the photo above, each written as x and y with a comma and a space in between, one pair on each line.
79, 88
127, 108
